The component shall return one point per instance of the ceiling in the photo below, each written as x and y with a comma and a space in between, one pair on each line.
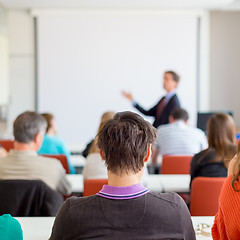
46, 4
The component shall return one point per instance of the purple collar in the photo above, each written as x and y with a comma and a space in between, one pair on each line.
113, 192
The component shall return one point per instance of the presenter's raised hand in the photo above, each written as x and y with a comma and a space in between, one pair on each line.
127, 95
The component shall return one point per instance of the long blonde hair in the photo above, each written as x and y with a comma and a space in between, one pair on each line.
104, 119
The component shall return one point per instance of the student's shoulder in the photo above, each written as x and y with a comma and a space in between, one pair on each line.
165, 127
49, 161
196, 131
76, 202
168, 198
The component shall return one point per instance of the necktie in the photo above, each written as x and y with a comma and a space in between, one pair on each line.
161, 106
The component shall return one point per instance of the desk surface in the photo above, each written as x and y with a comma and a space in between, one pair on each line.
78, 160
154, 182
39, 228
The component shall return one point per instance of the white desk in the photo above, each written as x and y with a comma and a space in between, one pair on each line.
78, 160
76, 181
36, 228
200, 220
40, 228
154, 182
168, 182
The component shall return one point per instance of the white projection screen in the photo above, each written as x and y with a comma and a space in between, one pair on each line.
84, 61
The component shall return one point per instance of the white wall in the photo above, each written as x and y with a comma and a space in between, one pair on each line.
4, 63
224, 62
22, 79
21, 62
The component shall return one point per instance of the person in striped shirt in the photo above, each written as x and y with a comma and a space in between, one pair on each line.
177, 138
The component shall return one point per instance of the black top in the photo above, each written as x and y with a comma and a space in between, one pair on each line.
28, 198
151, 216
202, 165
164, 117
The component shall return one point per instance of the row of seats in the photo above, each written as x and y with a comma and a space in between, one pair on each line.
170, 164
204, 191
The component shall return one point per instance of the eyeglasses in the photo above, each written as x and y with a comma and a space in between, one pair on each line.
203, 229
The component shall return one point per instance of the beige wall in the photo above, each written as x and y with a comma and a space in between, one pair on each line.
21, 62
225, 62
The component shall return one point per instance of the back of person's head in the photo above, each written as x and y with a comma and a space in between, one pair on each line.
221, 135
49, 118
27, 125
175, 76
10, 228
179, 114
104, 119
124, 142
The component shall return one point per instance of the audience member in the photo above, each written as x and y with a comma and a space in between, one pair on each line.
124, 209
177, 138
213, 161
166, 105
3, 152
95, 167
227, 221
52, 144
23, 162
10, 228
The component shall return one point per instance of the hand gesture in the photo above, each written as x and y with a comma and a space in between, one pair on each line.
127, 95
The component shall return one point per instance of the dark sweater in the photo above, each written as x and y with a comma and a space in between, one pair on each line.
151, 216
202, 165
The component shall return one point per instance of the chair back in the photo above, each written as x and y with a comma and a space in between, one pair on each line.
205, 192
176, 164
93, 186
62, 158
28, 198
7, 144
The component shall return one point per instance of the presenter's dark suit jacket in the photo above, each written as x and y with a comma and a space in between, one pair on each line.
164, 117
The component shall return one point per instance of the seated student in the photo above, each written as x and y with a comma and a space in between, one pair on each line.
227, 220
3, 152
95, 167
52, 144
23, 162
177, 138
124, 209
213, 161
10, 228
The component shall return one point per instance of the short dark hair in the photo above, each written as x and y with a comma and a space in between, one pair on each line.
27, 125
179, 114
175, 76
125, 140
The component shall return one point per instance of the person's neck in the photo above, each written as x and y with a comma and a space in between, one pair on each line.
172, 90
51, 132
24, 146
124, 180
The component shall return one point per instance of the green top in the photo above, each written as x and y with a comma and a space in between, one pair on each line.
10, 228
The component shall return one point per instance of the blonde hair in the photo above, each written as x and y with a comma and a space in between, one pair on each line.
104, 119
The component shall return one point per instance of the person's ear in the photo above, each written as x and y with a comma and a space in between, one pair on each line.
149, 153
171, 119
38, 138
102, 154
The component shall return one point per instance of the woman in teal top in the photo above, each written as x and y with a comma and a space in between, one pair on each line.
10, 228
52, 144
